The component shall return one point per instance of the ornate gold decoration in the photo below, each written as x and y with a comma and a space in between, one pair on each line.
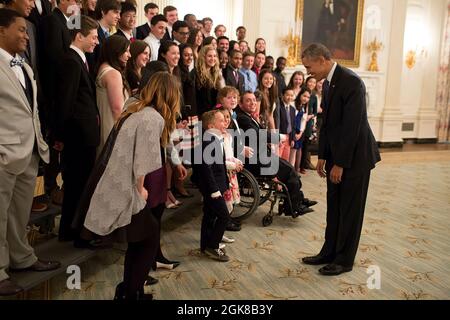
374, 47
292, 42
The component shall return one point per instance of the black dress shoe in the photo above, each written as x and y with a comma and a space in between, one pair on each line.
119, 294
151, 281
40, 265
236, 222
9, 288
316, 260
304, 210
334, 270
233, 227
309, 203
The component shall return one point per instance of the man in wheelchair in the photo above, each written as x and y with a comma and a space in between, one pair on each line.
264, 163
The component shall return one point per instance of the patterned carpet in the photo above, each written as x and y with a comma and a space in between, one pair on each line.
406, 234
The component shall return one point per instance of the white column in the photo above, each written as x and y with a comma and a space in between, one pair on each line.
427, 115
252, 14
391, 117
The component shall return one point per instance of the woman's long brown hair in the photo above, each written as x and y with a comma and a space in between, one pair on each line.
162, 93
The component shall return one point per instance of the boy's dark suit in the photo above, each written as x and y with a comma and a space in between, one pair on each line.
142, 31
346, 140
210, 177
230, 79
79, 129
284, 118
54, 43
35, 17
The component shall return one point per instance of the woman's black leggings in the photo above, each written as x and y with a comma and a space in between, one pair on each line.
139, 259
157, 213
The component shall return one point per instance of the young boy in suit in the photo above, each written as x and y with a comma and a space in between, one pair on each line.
210, 175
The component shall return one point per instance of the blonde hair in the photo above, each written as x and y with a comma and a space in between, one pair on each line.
208, 77
162, 92
209, 118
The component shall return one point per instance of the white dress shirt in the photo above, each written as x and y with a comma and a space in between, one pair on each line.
154, 44
331, 74
38, 4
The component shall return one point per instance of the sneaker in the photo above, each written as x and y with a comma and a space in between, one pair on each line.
217, 254
226, 239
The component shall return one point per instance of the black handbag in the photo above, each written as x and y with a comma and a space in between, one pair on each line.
94, 178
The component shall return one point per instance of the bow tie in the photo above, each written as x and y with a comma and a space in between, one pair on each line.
17, 62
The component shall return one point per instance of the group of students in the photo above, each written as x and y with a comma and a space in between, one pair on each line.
110, 112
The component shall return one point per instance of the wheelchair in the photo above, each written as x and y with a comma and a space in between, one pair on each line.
255, 191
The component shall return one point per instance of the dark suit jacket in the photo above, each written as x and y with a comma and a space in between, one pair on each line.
211, 176
281, 81
142, 31
345, 137
35, 17
167, 36
189, 93
55, 39
284, 117
54, 43
120, 33
77, 113
230, 80
246, 124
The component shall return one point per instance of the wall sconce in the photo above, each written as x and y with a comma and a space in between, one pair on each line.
412, 56
417, 37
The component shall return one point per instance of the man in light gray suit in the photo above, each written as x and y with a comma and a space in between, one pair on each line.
24, 8
21, 146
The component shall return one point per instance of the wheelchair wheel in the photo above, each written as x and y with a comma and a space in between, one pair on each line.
249, 192
267, 220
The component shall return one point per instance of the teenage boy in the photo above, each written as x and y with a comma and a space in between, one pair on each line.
78, 129
151, 9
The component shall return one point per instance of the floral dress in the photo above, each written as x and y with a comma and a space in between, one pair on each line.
231, 196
